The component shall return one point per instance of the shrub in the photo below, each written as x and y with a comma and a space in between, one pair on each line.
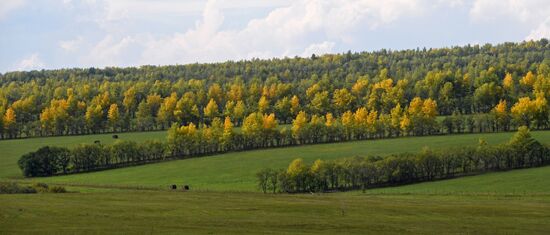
12, 188
40, 187
57, 189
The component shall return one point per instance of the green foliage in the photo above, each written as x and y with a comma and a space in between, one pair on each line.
353, 173
48, 161
45, 161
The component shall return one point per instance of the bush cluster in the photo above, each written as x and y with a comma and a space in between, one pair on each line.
15, 188
48, 161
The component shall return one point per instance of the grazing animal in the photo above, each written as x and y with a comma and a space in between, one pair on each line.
97, 142
115, 136
173, 187
186, 187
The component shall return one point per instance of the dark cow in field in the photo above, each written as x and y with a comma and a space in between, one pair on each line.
186, 187
97, 142
173, 187
115, 136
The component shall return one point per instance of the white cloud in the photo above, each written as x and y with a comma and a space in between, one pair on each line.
318, 49
285, 31
71, 45
111, 52
301, 27
522, 10
30, 63
542, 31
534, 14
6, 6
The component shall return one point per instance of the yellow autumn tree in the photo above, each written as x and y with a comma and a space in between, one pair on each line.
10, 121
227, 137
211, 110
294, 105
360, 122
239, 111
348, 124
502, 117
508, 83
528, 80
113, 116
522, 111
330, 120
263, 104
299, 126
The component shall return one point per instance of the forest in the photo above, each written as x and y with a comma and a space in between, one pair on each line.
382, 93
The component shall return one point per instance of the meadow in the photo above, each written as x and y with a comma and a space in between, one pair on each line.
233, 171
237, 213
224, 198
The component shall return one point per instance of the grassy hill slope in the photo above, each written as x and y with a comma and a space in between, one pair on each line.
236, 171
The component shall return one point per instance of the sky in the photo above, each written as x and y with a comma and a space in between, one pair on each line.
52, 34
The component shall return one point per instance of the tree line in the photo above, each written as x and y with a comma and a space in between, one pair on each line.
50, 160
509, 81
522, 151
258, 130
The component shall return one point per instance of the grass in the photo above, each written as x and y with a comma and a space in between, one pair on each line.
239, 213
532, 181
504, 202
236, 171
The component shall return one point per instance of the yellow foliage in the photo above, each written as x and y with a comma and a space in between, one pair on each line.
329, 120
500, 108
429, 108
238, 112
348, 119
528, 79
294, 105
263, 104
317, 166
396, 114
360, 87
211, 109
113, 114
405, 123
415, 107
298, 124
269, 122
296, 167
508, 82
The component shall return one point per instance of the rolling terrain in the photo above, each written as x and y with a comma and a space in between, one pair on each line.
225, 200
417, 209
236, 171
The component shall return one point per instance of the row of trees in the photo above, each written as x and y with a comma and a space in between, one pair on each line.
257, 131
522, 151
469, 79
49, 160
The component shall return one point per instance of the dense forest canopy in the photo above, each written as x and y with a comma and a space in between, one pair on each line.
510, 80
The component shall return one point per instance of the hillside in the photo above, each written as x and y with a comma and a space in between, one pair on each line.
486, 208
236, 171
522, 182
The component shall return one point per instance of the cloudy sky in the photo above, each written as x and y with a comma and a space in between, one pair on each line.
37, 34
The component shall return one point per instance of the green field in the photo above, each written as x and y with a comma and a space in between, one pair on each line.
236, 171
238, 213
516, 201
